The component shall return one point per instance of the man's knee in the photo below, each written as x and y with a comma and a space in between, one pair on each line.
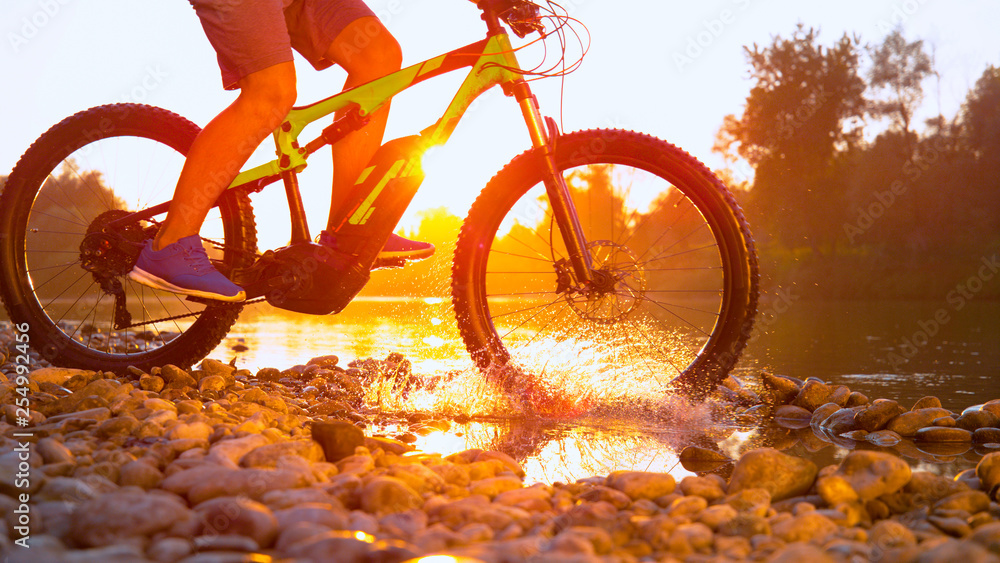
271, 90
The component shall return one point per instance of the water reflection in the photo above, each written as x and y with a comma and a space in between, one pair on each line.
843, 343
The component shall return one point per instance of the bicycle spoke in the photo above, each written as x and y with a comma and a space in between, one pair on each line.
60, 272
84, 224
526, 309
713, 245
540, 259
680, 318
654, 347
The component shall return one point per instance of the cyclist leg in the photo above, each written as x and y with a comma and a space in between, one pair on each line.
367, 51
347, 33
254, 52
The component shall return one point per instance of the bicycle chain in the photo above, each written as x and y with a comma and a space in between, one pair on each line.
197, 313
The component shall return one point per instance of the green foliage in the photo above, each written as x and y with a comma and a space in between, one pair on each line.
795, 121
838, 216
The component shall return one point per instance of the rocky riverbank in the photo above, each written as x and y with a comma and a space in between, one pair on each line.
217, 464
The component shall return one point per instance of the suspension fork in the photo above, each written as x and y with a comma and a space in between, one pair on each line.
555, 184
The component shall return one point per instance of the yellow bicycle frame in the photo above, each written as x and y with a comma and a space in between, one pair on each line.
492, 61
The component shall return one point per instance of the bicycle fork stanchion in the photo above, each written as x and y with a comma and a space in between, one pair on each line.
555, 185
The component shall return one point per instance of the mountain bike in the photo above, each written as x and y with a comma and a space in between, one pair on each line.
602, 248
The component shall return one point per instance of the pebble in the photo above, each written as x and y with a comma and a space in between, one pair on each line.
386, 495
908, 423
115, 517
878, 414
237, 516
781, 475
642, 484
986, 436
338, 438
942, 434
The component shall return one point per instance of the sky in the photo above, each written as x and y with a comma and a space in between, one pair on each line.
670, 69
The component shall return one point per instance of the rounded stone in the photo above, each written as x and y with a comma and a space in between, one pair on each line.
986, 436
804, 528
239, 516
884, 438
781, 475
312, 513
706, 487
170, 549
779, 389
642, 484
338, 438
873, 474
114, 517
943, 434
929, 402
152, 383
967, 501
841, 421
212, 383
792, 416
877, 415
385, 495
139, 474
908, 423
889, 534
812, 395
54, 451
190, 431
974, 420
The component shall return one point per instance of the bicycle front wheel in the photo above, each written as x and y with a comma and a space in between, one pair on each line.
675, 274
60, 261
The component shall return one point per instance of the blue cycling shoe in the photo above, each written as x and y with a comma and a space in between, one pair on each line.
184, 268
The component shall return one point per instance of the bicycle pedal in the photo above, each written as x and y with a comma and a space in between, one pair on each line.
206, 301
385, 263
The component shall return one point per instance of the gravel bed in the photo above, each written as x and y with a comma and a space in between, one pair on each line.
218, 464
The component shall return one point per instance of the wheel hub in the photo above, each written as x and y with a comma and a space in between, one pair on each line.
617, 286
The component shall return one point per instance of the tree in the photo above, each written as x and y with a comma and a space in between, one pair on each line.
795, 119
980, 117
979, 132
898, 71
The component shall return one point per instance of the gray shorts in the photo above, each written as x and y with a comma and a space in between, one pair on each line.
251, 35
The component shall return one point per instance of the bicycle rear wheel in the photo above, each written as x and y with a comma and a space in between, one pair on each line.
675, 272
82, 173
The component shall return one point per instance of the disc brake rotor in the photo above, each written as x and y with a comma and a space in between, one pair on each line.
618, 285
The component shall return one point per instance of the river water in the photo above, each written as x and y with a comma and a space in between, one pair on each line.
900, 350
